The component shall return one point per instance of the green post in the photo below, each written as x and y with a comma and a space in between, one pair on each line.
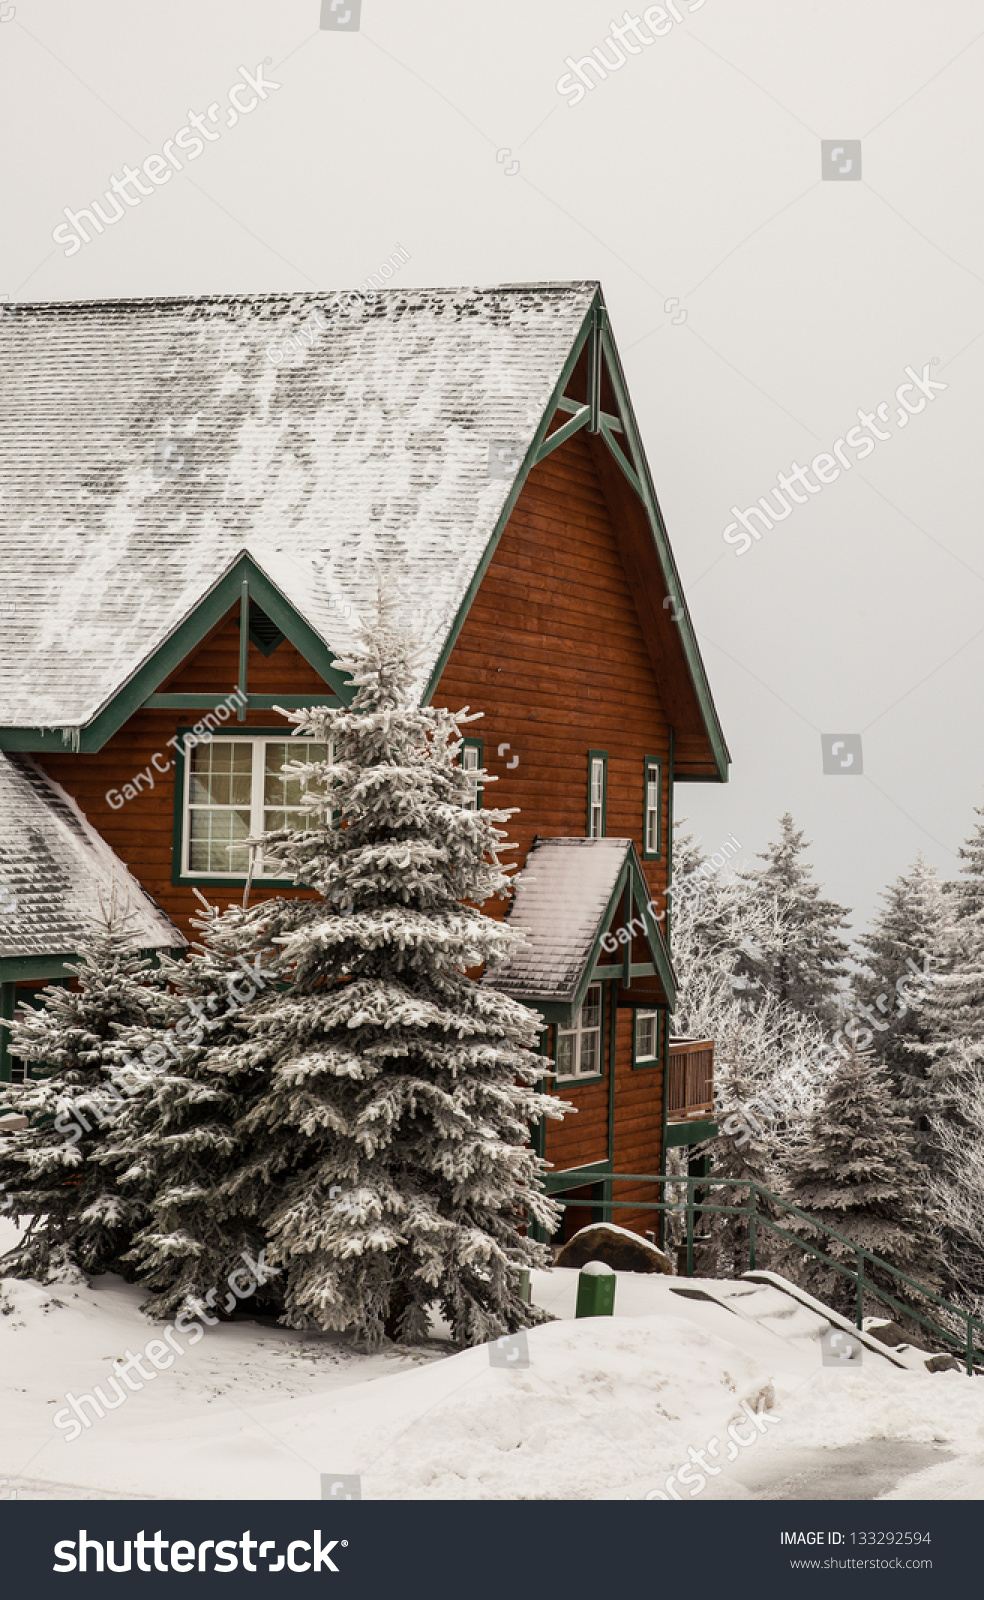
8, 993
690, 1228
243, 648
859, 1320
752, 1205
595, 1290
970, 1347
525, 1288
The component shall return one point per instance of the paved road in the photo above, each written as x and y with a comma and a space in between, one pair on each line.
853, 1472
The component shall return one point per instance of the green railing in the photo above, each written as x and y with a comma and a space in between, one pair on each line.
696, 1206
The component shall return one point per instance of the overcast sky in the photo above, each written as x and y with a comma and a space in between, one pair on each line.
758, 304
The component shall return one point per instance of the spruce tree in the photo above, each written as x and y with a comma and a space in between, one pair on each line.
856, 1172
804, 958
904, 951
951, 1042
182, 1139
80, 1221
394, 1138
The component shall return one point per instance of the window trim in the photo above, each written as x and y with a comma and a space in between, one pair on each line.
646, 1063
479, 745
588, 1077
647, 854
204, 880
593, 756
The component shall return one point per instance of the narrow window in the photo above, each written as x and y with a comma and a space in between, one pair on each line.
652, 808
471, 761
579, 1047
597, 793
646, 1037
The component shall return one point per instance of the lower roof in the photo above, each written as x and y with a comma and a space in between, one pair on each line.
56, 872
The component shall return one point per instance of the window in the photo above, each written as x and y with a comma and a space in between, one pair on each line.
652, 808
646, 1038
471, 761
597, 793
234, 789
579, 1048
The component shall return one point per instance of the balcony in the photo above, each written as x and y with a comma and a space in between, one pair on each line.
690, 1091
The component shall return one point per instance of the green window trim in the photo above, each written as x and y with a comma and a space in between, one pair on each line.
652, 818
206, 880
560, 1085
647, 1063
473, 763
597, 797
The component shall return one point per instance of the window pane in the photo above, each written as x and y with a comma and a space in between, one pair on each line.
211, 833
282, 794
652, 810
565, 1054
221, 773
590, 1052
646, 1024
470, 762
591, 1009
279, 789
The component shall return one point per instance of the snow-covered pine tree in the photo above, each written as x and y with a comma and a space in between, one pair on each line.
770, 1062
395, 1135
856, 1172
805, 957
180, 1141
957, 1191
904, 949
951, 1043
79, 1219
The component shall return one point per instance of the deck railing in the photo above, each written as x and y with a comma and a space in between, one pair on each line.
690, 1091
757, 1208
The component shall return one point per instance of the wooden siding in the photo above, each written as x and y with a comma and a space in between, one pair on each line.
553, 654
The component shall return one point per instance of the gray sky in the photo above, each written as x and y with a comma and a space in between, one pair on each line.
693, 175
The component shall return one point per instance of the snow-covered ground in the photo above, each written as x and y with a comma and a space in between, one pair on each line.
606, 1408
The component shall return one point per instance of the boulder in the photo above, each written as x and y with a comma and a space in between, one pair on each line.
888, 1333
944, 1363
616, 1247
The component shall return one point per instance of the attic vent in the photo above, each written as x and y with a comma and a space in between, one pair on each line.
263, 631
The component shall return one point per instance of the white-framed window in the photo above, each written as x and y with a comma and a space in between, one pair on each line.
579, 1047
236, 789
653, 807
597, 785
646, 1036
471, 761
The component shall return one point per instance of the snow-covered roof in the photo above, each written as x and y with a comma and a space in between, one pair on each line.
367, 443
561, 899
56, 870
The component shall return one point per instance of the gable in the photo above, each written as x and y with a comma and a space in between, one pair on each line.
579, 901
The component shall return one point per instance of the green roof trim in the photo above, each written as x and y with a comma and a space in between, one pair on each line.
225, 593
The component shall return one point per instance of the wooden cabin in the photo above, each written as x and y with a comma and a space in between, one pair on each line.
191, 527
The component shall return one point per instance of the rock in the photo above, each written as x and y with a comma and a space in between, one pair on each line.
944, 1363
616, 1247
888, 1333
